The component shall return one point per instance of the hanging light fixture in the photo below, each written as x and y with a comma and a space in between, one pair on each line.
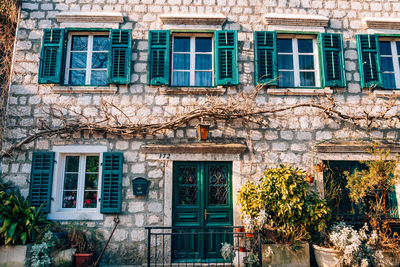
202, 130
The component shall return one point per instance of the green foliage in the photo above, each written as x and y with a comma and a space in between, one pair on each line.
19, 221
41, 252
292, 210
371, 186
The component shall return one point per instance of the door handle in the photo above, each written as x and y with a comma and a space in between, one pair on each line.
205, 214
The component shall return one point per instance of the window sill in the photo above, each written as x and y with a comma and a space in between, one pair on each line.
72, 216
192, 90
299, 91
387, 93
85, 89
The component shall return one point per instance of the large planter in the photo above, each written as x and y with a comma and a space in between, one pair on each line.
327, 257
390, 259
284, 255
13, 256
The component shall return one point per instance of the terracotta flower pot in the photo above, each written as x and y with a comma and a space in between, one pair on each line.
239, 230
242, 249
83, 259
327, 257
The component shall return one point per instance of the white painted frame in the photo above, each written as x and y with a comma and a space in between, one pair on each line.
89, 54
193, 54
56, 210
296, 66
395, 59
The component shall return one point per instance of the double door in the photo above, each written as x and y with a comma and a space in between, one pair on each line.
202, 203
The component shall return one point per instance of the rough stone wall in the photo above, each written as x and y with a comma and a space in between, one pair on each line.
287, 142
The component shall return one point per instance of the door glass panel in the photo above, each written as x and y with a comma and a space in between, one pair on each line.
187, 186
218, 185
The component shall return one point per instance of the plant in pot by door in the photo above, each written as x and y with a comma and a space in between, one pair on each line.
292, 213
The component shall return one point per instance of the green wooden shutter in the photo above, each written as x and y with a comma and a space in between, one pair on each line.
394, 211
111, 189
158, 65
369, 60
120, 53
41, 179
226, 56
331, 46
265, 58
51, 56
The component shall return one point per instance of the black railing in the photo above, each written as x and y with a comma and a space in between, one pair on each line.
201, 246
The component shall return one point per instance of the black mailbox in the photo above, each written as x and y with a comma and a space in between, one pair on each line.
140, 186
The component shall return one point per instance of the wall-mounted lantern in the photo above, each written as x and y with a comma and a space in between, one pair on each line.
309, 178
202, 130
140, 186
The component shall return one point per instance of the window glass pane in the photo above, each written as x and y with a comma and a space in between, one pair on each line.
306, 62
71, 181
91, 181
286, 79
285, 62
99, 60
398, 47
90, 199
182, 44
69, 199
385, 48
72, 164
387, 63
203, 44
77, 77
307, 79
284, 45
92, 163
79, 43
203, 62
181, 61
181, 78
98, 77
78, 60
305, 45
203, 78
100, 43
389, 81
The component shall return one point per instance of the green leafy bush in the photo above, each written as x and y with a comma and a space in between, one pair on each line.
292, 210
19, 221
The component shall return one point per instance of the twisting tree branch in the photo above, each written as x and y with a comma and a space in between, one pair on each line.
110, 118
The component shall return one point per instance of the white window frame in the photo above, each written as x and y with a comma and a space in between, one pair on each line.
395, 59
193, 53
57, 212
89, 54
295, 54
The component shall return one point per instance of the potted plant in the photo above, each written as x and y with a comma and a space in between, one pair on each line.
86, 241
372, 190
287, 211
20, 224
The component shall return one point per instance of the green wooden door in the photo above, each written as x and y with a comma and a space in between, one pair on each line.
202, 200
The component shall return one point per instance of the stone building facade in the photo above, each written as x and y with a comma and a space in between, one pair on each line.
247, 152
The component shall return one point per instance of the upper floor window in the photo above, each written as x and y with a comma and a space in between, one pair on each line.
379, 61
87, 59
389, 55
187, 59
97, 58
192, 63
299, 60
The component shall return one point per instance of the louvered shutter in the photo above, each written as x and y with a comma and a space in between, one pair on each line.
265, 58
41, 179
120, 53
158, 65
394, 211
111, 189
331, 45
226, 56
369, 60
51, 56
